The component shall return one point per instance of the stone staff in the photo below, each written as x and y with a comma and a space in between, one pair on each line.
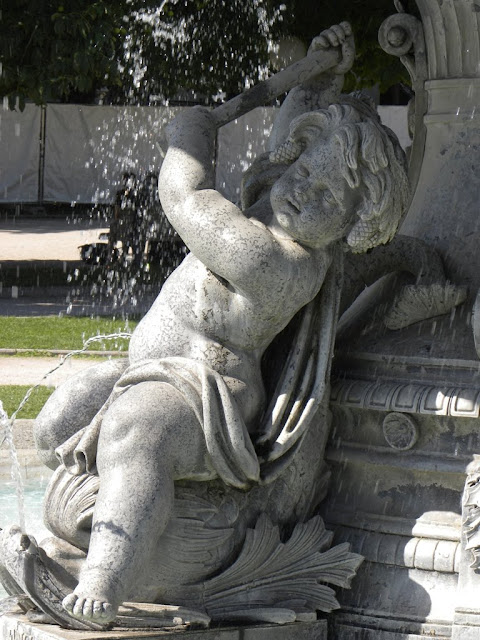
313, 64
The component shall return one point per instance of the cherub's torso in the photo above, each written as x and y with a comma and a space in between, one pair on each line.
199, 315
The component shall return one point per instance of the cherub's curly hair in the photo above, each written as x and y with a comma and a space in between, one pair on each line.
372, 157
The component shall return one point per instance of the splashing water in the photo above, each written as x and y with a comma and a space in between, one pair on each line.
6, 434
6, 423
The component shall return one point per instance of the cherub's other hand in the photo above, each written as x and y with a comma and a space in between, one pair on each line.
339, 35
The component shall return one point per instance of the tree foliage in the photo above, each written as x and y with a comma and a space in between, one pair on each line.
69, 50
372, 65
58, 50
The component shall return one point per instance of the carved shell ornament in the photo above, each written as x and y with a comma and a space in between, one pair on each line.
421, 302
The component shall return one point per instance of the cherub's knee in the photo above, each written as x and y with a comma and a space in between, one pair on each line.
150, 422
131, 425
72, 406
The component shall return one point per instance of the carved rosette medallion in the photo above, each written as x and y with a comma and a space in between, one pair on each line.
400, 431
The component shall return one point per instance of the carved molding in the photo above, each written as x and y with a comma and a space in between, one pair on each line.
417, 398
428, 554
358, 453
402, 35
432, 524
452, 36
471, 512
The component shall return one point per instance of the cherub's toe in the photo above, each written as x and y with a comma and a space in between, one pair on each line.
107, 611
84, 608
87, 610
78, 607
69, 602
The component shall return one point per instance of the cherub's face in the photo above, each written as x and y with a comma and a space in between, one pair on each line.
312, 201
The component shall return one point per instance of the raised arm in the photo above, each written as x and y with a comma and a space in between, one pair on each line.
213, 228
188, 164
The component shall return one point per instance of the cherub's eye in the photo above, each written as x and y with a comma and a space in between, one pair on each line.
303, 171
329, 197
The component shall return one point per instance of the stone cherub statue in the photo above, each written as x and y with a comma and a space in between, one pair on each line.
167, 463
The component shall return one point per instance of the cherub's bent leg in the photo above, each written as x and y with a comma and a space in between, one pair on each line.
72, 406
149, 438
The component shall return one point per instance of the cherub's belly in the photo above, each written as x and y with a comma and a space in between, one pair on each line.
163, 335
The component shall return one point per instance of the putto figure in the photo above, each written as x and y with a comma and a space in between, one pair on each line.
192, 428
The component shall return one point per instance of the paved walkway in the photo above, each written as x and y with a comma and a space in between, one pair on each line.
55, 240
32, 371
27, 238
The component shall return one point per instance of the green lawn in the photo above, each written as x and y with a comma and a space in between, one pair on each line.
53, 332
11, 397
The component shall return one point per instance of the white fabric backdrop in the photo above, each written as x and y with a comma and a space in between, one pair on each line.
87, 149
19, 154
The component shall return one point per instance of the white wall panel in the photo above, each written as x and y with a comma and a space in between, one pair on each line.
89, 147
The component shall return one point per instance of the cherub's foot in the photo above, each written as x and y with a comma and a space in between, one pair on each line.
84, 608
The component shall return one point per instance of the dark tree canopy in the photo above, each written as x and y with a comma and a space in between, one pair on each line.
372, 64
59, 50
131, 50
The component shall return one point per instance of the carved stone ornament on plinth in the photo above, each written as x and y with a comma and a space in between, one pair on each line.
399, 484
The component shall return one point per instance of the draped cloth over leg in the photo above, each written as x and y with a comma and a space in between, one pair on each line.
302, 388
228, 442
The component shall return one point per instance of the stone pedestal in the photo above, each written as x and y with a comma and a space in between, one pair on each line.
406, 403
15, 627
444, 211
